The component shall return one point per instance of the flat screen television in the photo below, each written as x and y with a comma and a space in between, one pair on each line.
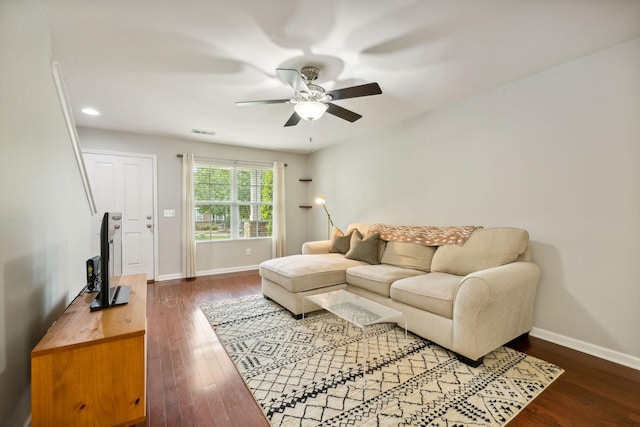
109, 296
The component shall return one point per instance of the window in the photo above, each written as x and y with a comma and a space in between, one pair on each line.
232, 202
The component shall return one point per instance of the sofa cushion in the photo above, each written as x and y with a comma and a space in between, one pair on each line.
364, 249
408, 255
378, 278
340, 242
485, 248
433, 292
298, 273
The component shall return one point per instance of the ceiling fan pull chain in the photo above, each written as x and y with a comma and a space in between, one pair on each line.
311, 138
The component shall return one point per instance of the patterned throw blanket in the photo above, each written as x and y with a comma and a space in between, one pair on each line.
425, 235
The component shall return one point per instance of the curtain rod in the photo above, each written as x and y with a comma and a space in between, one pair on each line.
231, 160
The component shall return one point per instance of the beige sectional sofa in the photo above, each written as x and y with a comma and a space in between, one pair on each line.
470, 295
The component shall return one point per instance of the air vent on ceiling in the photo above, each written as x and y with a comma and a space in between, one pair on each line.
202, 132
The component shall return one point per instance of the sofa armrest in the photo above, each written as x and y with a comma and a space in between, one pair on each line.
317, 247
493, 306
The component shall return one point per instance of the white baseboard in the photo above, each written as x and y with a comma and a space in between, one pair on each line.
209, 272
585, 347
169, 277
21, 415
227, 270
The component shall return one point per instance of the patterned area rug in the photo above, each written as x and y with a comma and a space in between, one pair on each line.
309, 372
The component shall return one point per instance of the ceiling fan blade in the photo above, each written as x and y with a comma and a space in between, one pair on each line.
293, 120
269, 101
355, 91
293, 79
343, 113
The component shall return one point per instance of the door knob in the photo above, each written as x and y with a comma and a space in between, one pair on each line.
149, 226
149, 217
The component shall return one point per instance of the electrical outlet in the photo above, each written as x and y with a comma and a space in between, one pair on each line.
247, 251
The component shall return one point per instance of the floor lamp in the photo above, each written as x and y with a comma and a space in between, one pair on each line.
321, 201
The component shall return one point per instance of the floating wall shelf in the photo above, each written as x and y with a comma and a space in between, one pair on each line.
305, 180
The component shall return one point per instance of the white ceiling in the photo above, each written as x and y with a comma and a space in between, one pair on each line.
165, 67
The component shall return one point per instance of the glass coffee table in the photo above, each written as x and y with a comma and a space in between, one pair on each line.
358, 311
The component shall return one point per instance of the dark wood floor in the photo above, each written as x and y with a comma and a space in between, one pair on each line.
192, 382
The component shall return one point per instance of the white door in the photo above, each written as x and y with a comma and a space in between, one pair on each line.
123, 183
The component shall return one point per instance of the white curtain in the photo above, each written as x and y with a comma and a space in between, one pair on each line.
188, 229
279, 230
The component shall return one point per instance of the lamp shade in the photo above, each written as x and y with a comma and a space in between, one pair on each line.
310, 110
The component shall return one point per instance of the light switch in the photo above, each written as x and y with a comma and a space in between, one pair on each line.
169, 213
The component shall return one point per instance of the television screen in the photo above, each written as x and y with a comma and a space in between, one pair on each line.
116, 295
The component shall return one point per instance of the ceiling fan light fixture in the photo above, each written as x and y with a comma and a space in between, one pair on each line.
310, 101
310, 110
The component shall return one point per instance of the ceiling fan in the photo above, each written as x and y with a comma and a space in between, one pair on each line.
311, 101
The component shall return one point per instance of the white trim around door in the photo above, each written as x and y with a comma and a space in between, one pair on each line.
154, 178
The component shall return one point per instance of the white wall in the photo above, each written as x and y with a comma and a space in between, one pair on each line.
45, 221
557, 153
212, 257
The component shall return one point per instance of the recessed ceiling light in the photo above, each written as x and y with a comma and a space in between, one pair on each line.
91, 111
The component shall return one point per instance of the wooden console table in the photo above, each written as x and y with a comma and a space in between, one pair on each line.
90, 367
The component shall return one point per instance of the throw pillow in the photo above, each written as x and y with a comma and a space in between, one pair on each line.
340, 242
364, 249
